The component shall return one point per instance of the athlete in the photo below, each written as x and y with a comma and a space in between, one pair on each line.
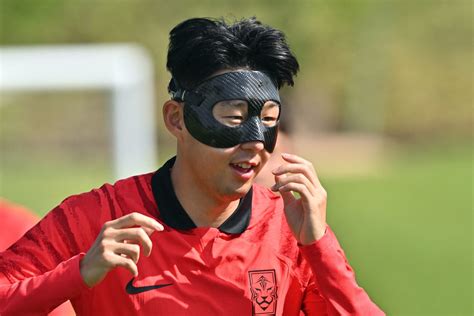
197, 237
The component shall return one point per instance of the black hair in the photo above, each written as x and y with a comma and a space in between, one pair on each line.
200, 47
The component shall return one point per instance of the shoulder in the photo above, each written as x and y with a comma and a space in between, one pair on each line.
110, 200
77, 220
108, 192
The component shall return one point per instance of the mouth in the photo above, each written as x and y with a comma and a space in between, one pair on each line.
244, 169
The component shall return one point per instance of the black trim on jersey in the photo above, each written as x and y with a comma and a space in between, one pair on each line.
174, 215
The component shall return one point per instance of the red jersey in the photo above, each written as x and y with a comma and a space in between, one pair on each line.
15, 221
250, 265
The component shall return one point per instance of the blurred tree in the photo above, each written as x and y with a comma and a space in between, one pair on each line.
401, 68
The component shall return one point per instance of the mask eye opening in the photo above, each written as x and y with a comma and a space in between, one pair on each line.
231, 113
270, 113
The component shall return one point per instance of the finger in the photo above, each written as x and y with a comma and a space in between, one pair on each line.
297, 168
294, 158
287, 197
136, 234
297, 165
135, 219
296, 178
126, 263
296, 187
148, 231
131, 251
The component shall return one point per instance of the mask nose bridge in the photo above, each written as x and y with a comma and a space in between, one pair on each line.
255, 107
255, 129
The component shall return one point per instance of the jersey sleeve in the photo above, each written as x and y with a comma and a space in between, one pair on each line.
41, 270
333, 289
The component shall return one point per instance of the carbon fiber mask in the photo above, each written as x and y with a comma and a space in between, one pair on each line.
253, 87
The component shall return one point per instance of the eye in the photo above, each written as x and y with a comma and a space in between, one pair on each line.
269, 114
234, 118
269, 120
231, 120
230, 113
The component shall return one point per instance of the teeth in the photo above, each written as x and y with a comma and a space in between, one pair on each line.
244, 165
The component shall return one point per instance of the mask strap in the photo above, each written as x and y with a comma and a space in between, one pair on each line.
176, 92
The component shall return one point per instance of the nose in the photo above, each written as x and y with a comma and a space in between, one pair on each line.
253, 145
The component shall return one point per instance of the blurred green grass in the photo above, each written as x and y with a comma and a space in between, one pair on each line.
407, 231
40, 183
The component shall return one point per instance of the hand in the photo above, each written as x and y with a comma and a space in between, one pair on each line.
118, 245
305, 215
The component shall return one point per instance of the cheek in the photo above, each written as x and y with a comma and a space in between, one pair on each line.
205, 153
209, 155
265, 156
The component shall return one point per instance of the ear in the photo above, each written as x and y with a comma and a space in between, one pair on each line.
173, 117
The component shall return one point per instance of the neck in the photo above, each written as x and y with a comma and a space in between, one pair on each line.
204, 207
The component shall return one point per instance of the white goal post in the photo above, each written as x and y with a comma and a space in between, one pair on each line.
123, 69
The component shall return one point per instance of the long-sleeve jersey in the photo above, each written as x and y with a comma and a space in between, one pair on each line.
250, 265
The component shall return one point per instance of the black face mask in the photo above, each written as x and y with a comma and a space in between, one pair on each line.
253, 87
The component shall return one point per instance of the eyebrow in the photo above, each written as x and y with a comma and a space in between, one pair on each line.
270, 104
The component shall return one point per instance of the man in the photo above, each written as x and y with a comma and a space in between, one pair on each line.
197, 237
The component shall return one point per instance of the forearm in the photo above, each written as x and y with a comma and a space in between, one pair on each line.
336, 279
41, 293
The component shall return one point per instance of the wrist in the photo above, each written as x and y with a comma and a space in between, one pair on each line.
320, 231
87, 273
316, 233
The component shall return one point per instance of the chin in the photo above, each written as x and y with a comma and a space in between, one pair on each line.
238, 192
244, 189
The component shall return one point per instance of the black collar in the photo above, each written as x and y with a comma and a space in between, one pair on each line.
174, 215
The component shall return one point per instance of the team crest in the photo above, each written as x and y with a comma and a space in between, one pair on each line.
263, 287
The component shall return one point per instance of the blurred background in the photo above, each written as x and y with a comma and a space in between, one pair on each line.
382, 106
